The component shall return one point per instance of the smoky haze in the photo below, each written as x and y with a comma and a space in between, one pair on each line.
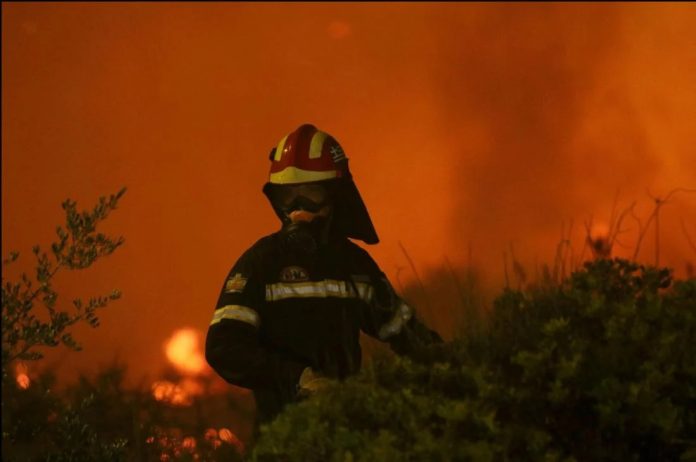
551, 110
468, 126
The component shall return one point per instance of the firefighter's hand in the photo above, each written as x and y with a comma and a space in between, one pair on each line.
311, 382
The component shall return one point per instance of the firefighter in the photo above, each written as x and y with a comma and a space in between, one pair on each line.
291, 309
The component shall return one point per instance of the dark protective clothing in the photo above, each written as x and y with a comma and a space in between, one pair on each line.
299, 298
279, 313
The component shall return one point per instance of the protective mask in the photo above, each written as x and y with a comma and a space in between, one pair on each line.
305, 227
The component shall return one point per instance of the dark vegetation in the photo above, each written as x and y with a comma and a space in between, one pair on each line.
600, 367
96, 419
99, 419
594, 363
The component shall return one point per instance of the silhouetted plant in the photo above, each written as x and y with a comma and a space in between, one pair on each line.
78, 246
599, 367
37, 425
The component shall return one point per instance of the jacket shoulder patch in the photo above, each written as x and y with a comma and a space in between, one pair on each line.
235, 284
294, 274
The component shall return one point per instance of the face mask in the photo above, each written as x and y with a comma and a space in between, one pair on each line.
305, 226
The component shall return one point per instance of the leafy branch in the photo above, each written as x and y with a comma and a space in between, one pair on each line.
78, 246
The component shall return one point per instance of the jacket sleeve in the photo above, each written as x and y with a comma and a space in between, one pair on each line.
388, 318
232, 345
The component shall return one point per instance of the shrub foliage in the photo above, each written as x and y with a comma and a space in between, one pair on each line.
37, 425
600, 367
99, 419
24, 326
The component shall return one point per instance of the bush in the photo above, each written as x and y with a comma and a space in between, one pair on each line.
36, 425
40, 425
600, 367
99, 419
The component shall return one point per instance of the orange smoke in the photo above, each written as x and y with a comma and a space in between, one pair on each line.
338, 30
468, 126
184, 351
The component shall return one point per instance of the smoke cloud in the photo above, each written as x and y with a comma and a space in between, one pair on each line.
468, 126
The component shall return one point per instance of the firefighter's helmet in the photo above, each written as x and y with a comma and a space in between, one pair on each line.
309, 155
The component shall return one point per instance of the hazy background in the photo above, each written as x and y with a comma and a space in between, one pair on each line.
467, 125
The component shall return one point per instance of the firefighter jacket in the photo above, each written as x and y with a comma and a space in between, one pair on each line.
278, 314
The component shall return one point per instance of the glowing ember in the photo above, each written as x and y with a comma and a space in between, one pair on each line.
227, 436
21, 376
189, 443
210, 434
23, 381
171, 393
184, 351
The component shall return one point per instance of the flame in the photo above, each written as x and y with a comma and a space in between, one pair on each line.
211, 435
227, 435
171, 393
174, 444
189, 443
184, 351
599, 230
601, 240
23, 380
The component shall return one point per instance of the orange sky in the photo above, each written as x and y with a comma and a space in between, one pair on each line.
481, 123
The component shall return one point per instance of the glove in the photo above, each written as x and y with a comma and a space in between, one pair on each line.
310, 383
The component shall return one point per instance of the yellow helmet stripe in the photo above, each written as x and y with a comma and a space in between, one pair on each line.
237, 313
279, 149
317, 144
291, 175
